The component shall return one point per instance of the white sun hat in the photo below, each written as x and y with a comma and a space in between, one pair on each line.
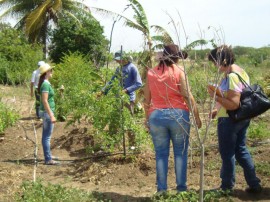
40, 63
44, 68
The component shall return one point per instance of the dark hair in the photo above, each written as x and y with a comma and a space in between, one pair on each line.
41, 80
222, 56
171, 55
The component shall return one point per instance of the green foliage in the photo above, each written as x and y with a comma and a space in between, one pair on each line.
198, 54
32, 192
263, 168
84, 36
18, 58
258, 130
199, 75
191, 196
79, 78
8, 117
82, 99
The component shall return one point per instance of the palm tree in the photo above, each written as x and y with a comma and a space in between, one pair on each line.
35, 16
139, 22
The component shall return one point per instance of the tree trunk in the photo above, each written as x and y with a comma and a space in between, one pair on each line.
201, 173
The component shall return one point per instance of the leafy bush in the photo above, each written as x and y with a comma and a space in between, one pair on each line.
32, 192
3, 70
17, 56
258, 130
8, 117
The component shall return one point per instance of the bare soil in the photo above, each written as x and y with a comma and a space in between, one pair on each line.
118, 179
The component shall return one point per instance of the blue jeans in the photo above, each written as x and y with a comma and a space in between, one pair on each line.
232, 145
46, 135
165, 125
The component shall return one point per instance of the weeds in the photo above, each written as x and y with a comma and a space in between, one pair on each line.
263, 168
7, 117
258, 130
39, 192
191, 196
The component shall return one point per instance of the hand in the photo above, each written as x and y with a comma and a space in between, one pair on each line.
211, 92
53, 119
124, 91
198, 122
214, 113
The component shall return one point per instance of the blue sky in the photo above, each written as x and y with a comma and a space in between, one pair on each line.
234, 22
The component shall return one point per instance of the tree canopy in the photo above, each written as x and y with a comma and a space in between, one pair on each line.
84, 36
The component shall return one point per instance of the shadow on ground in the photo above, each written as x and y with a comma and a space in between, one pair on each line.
244, 196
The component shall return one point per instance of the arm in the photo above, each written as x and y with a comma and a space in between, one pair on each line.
32, 89
32, 83
230, 102
107, 87
184, 90
232, 99
147, 99
44, 99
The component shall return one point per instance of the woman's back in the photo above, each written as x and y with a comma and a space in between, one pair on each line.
164, 88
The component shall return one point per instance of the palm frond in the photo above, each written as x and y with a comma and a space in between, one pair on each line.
37, 18
106, 13
140, 15
73, 17
166, 38
158, 47
193, 44
57, 6
134, 25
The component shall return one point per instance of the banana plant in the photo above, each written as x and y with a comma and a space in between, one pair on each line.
35, 16
139, 22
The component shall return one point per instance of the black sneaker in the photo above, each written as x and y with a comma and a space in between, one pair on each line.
254, 190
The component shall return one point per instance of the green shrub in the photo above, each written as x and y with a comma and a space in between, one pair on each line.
258, 130
8, 117
18, 58
3, 70
32, 192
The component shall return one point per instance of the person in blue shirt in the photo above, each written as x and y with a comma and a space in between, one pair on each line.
131, 79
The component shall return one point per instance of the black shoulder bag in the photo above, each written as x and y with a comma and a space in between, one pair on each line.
253, 102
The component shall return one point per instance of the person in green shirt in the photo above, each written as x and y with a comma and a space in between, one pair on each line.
47, 109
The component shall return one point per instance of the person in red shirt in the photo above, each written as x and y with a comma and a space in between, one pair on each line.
167, 108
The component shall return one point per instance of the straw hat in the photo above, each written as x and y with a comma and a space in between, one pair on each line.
44, 68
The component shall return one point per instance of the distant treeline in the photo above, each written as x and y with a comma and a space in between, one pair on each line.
246, 55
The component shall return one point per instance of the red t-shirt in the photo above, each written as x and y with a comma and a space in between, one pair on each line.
164, 88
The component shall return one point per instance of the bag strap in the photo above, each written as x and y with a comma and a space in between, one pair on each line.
242, 80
